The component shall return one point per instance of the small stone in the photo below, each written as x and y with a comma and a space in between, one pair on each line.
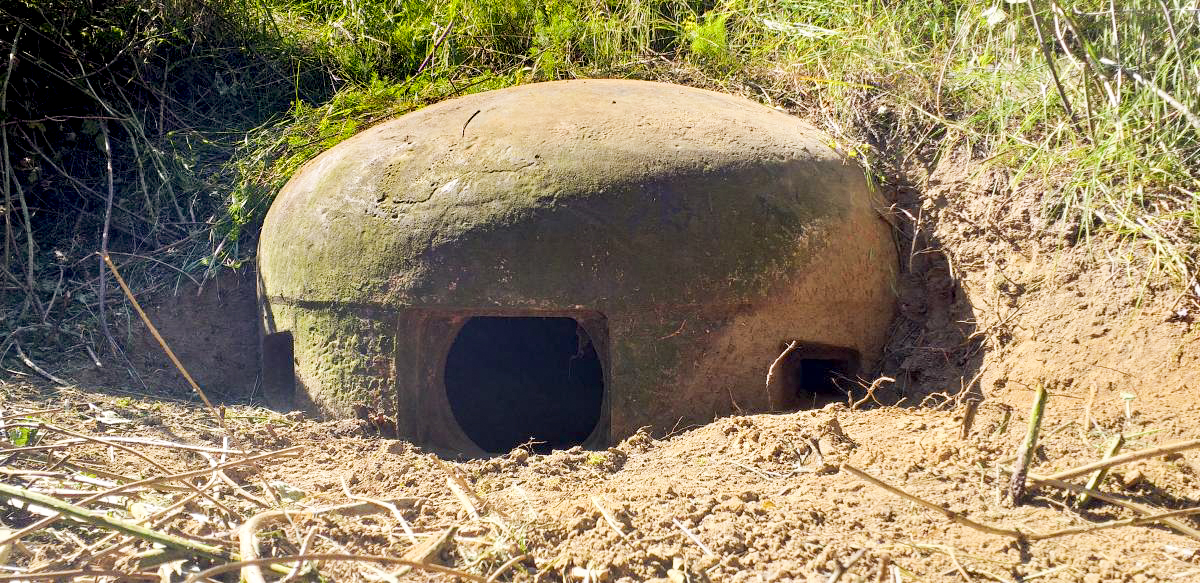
588, 574
733, 506
676, 576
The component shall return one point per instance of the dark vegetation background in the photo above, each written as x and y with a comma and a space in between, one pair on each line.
160, 129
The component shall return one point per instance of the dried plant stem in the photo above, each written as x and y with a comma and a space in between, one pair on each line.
950, 514
30, 413
1138, 521
102, 520
502, 569
12, 62
437, 43
773, 374
75, 574
1087, 414
1098, 476
608, 517
141, 456
31, 298
691, 536
102, 313
220, 417
1178, 525
35, 368
399, 516
248, 542
841, 569
464, 500
1016, 486
207, 573
1126, 458
118, 439
11, 183
885, 561
184, 476
1062, 93
163, 343
875, 384
969, 412
428, 551
248, 532
305, 545
1192, 119
467, 496
91, 553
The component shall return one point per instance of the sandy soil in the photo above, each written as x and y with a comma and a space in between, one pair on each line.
742, 499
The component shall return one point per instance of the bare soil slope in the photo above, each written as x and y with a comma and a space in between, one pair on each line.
742, 499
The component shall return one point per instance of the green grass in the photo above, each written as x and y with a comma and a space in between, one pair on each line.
212, 106
1114, 147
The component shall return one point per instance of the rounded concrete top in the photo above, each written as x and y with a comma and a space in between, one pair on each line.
593, 194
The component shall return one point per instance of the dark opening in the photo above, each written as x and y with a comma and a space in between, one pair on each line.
820, 375
517, 380
278, 369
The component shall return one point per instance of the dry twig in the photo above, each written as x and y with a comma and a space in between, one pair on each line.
950, 514
694, 538
773, 374
1125, 458
1178, 525
219, 569
1137, 521
9, 416
972, 407
248, 539
184, 476
875, 384
502, 569
104, 521
35, 368
843, 569
608, 517
399, 516
427, 553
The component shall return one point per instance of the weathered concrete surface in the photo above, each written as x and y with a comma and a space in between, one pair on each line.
704, 228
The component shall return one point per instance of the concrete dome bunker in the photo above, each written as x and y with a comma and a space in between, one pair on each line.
568, 262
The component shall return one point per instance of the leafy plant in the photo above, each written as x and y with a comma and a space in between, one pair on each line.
23, 436
707, 39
